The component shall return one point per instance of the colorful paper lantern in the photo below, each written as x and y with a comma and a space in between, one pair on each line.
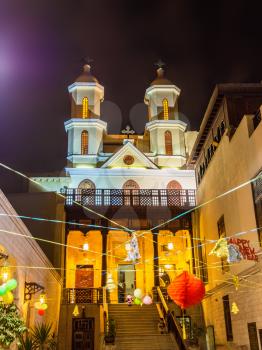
147, 300
220, 249
186, 290
138, 293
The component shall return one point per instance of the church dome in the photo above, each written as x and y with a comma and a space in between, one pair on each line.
160, 79
86, 76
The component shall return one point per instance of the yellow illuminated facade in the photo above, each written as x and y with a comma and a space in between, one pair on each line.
84, 267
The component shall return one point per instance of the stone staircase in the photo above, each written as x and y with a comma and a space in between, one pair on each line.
136, 328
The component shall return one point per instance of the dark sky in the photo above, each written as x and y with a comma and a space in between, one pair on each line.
42, 43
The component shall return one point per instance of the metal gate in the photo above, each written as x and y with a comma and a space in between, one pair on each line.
83, 333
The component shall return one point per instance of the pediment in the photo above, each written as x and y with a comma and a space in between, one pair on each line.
129, 157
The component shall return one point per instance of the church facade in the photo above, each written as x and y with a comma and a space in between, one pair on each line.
119, 186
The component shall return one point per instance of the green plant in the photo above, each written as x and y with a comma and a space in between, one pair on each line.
26, 342
43, 336
11, 324
110, 331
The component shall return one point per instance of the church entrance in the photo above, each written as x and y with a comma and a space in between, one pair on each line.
83, 333
126, 281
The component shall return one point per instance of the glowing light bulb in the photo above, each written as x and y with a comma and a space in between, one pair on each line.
85, 247
5, 274
170, 245
42, 299
167, 266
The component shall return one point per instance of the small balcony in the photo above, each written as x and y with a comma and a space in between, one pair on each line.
84, 296
183, 199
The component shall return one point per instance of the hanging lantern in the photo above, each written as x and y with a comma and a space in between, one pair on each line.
41, 305
85, 247
236, 281
234, 254
110, 285
234, 309
186, 290
220, 249
133, 253
76, 311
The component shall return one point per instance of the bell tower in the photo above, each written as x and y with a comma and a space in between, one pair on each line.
167, 132
85, 129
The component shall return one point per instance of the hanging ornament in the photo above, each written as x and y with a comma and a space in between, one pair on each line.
133, 253
110, 285
220, 249
236, 281
8, 298
41, 305
138, 293
147, 300
76, 311
11, 284
41, 312
129, 300
234, 309
186, 290
138, 301
5, 273
234, 254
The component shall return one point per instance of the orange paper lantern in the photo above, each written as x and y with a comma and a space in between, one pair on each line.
186, 290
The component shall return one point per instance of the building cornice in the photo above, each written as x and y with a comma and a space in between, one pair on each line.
80, 122
164, 124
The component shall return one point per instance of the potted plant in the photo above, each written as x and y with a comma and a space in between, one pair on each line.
26, 342
43, 337
110, 332
11, 325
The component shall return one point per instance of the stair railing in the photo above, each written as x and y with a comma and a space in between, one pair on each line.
172, 324
105, 310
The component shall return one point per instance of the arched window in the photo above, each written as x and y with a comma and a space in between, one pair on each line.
86, 185
165, 108
84, 142
85, 108
130, 185
174, 185
168, 143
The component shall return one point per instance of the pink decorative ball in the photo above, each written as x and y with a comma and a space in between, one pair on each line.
147, 300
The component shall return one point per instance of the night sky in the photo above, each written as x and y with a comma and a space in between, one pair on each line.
42, 43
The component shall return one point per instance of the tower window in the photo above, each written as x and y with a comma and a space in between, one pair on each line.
165, 108
85, 108
84, 142
168, 143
